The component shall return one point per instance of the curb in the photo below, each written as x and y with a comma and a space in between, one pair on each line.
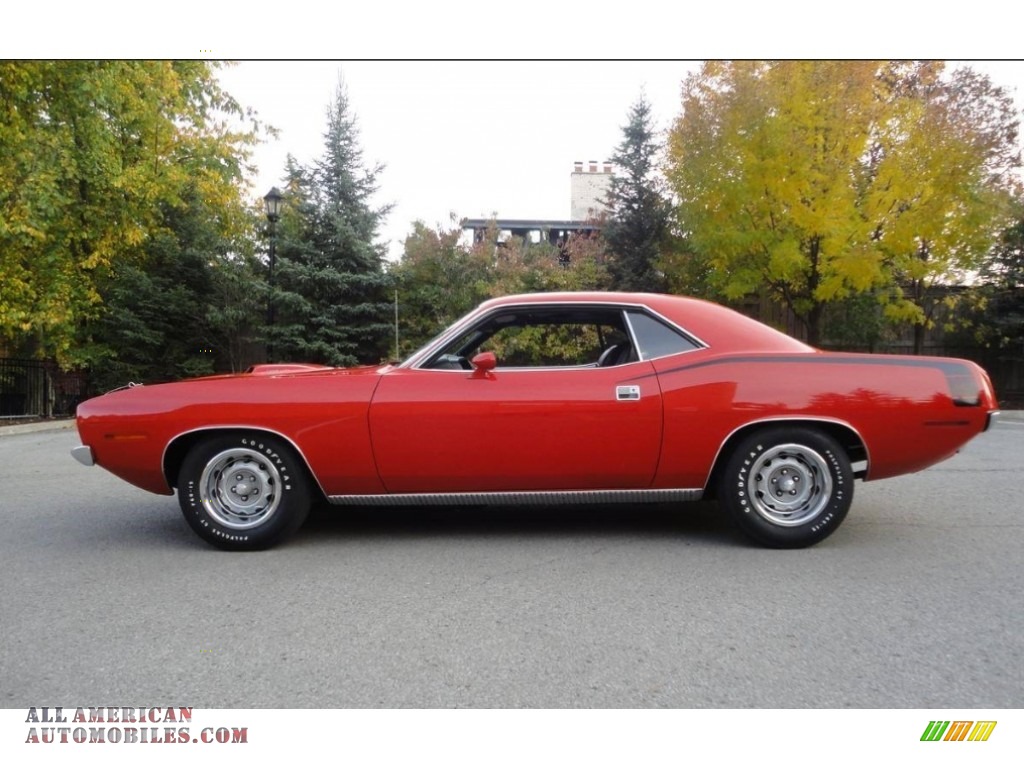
1010, 416
42, 426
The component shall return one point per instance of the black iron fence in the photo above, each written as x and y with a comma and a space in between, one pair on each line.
1004, 368
39, 388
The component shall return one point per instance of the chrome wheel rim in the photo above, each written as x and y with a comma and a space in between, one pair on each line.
241, 489
789, 484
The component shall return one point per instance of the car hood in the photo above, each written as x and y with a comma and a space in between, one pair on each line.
250, 385
301, 369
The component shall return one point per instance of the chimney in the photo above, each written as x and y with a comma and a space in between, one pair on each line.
593, 166
607, 167
577, 166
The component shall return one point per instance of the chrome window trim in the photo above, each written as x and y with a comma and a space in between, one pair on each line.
445, 336
698, 344
418, 358
632, 334
536, 368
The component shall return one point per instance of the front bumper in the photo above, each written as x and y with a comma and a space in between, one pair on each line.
993, 416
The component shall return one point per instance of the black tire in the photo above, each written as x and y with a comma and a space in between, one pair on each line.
787, 487
243, 491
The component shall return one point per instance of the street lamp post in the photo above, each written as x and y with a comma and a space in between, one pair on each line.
272, 200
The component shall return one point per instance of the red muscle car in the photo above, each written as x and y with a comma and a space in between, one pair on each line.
558, 397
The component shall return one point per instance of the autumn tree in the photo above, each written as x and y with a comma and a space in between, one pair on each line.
820, 180
767, 162
93, 156
943, 178
639, 211
331, 293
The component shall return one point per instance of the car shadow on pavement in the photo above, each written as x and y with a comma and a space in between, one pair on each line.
158, 526
699, 521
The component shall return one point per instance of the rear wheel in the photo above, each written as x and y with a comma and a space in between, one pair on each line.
787, 487
243, 491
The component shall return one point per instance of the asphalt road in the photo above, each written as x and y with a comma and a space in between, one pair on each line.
109, 599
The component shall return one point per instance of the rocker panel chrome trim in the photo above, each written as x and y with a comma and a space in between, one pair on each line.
641, 496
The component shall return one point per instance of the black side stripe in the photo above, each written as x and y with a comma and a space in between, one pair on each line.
950, 368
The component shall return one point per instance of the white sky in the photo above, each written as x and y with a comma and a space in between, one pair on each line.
469, 138
484, 137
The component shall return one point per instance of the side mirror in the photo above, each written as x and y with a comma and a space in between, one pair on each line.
483, 364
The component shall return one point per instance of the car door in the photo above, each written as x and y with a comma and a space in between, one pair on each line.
536, 427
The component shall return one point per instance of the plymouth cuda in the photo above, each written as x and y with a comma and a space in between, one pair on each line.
547, 398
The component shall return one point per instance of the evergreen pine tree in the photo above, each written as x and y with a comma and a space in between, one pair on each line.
167, 316
330, 294
638, 207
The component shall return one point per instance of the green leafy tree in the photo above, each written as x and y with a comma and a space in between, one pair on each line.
639, 211
331, 292
92, 156
524, 267
1000, 314
438, 280
857, 323
688, 272
1006, 267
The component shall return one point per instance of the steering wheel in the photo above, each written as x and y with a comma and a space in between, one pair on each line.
452, 363
611, 356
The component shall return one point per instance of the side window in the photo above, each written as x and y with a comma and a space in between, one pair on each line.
656, 339
551, 344
543, 337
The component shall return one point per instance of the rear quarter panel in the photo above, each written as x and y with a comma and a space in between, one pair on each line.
902, 408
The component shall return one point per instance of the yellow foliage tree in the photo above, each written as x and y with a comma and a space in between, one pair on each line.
89, 154
816, 180
943, 185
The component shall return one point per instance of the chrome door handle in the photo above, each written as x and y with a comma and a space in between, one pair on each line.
627, 392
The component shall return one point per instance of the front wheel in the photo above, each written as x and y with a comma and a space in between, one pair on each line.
243, 491
787, 487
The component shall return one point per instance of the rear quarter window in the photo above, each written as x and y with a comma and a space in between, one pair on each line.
656, 339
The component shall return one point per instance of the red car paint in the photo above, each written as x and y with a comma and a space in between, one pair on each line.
409, 429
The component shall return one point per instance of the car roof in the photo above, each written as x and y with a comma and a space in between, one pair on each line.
718, 326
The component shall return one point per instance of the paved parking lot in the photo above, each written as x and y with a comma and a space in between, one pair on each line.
915, 602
